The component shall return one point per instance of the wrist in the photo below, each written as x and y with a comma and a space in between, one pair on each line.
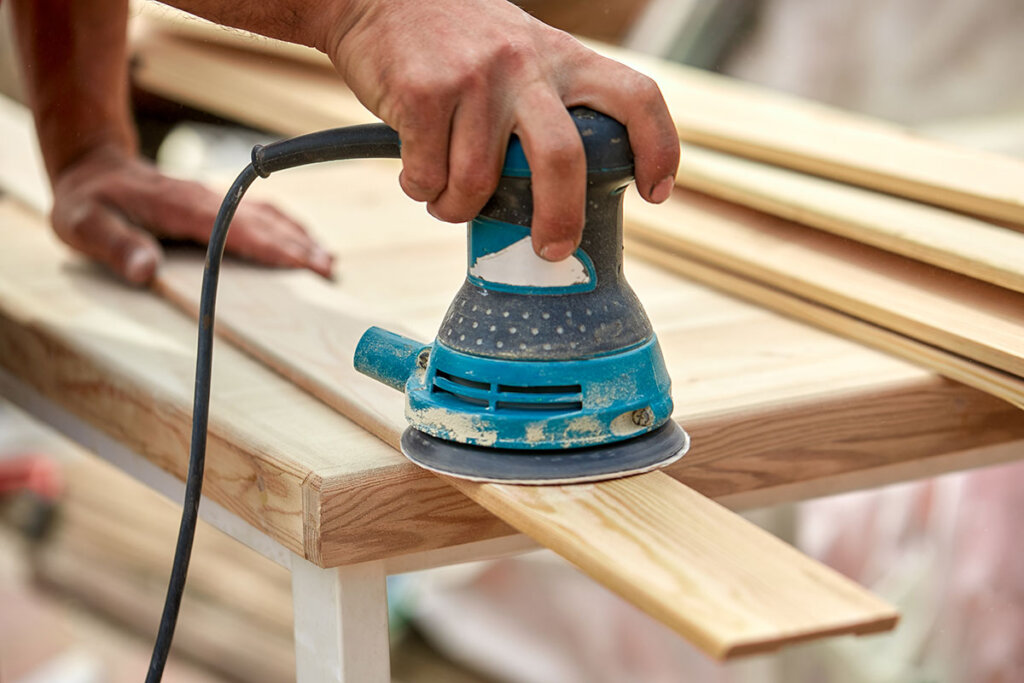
65, 147
339, 19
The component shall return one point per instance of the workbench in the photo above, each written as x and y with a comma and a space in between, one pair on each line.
778, 411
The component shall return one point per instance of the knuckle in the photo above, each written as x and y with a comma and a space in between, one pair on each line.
473, 183
563, 153
72, 223
423, 181
515, 53
451, 211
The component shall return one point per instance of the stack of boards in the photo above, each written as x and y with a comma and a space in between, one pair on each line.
860, 227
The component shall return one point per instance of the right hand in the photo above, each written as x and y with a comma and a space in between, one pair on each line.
456, 78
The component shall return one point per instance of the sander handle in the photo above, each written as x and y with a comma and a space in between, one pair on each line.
368, 141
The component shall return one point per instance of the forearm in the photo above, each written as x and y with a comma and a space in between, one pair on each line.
73, 59
315, 23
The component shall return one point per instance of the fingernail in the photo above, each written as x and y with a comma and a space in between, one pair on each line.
140, 266
556, 251
320, 260
663, 190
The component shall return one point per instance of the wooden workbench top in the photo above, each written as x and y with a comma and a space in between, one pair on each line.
777, 410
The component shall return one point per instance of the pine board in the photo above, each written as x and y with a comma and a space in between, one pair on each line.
48, 318
726, 585
750, 121
966, 317
925, 233
265, 91
1003, 385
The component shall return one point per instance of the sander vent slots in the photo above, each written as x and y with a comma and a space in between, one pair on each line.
502, 397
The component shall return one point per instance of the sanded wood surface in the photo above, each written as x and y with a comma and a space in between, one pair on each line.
1008, 387
926, 233
728, 586
286, 463
967, 317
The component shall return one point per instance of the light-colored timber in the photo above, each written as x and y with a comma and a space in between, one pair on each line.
961, 315
754, 122
1008, 387
236, 413
926, 233
726, 585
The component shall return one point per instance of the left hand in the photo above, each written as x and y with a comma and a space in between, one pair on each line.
111, 205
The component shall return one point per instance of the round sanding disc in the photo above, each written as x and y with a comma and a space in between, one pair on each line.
653, 450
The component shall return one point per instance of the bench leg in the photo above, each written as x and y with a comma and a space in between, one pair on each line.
341, 623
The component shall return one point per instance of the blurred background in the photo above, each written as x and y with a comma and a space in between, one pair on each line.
82, 583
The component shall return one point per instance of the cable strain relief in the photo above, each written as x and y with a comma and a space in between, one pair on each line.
257, 162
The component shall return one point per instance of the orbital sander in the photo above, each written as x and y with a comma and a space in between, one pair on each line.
541, 372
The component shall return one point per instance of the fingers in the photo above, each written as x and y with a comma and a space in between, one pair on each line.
263, 234
558, 169
102, 234
480, 133
637, 103
425, 133
178, 209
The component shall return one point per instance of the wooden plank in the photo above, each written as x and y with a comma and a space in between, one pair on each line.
151, 17
728, 391
22, 173
966, 317
265, 91
1008, 387
726, 585
942, 238
750, 121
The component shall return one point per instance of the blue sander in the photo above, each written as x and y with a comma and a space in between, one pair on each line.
541, 372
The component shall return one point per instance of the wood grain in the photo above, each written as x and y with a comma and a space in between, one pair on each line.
966, 317
266, 91
925, 233
750, 121
726, 585
1008, 387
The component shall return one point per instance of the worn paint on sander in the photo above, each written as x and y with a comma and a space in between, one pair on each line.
540, 373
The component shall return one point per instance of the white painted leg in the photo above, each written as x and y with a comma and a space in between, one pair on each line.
341, 623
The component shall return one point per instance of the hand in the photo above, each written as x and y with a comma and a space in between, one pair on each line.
111, 205
456, 77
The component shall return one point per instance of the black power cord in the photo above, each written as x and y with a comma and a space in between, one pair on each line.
354, 142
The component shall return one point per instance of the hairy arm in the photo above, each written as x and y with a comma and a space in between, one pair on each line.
108, 203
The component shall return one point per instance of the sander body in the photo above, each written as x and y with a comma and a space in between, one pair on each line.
541, 372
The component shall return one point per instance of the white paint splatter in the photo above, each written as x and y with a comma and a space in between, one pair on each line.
518, 265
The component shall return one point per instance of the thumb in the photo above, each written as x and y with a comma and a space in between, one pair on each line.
105, 235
